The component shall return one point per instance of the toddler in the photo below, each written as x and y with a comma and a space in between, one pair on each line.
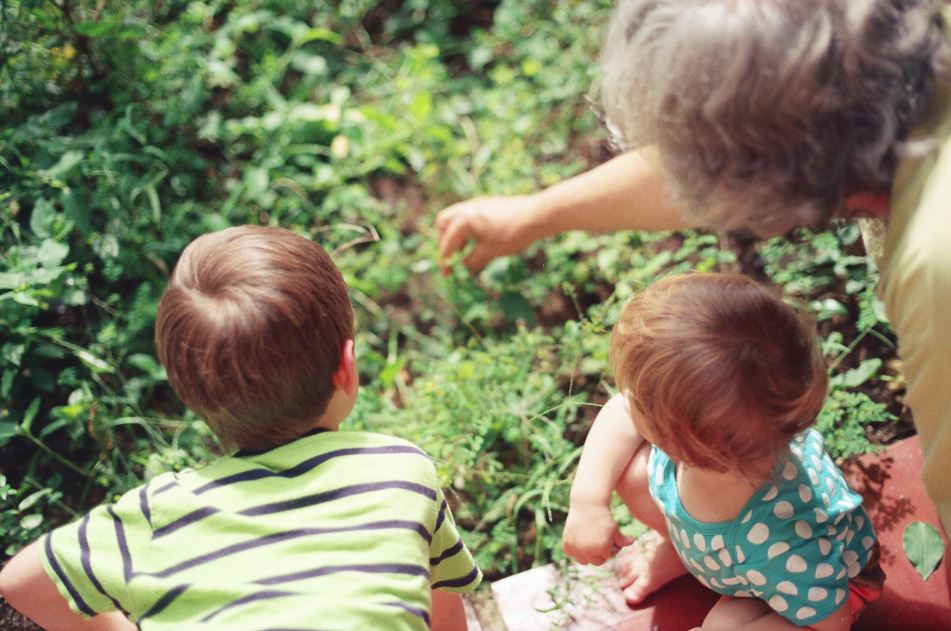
710, 443
304, 527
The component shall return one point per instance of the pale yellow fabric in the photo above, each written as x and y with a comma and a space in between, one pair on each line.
916, 289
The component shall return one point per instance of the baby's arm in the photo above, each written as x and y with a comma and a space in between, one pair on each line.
25, 585
448, 613
590, 531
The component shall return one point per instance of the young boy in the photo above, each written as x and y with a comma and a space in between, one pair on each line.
305, 527
709, 443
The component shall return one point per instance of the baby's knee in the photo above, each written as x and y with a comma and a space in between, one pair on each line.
732, 613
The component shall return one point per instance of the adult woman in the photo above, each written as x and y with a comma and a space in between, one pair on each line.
767, 115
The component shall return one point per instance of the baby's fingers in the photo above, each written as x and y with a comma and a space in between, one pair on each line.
621, 540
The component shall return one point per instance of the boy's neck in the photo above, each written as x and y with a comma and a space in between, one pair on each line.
338, 409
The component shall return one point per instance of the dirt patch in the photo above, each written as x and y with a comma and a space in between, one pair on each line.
10, 620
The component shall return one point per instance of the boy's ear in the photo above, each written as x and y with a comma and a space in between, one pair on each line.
346, 378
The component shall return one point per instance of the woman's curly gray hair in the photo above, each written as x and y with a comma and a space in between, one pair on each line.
768, 114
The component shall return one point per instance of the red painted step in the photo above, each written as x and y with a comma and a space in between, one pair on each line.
895, 496
543, 599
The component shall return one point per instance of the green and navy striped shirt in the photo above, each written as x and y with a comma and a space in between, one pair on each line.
336, 530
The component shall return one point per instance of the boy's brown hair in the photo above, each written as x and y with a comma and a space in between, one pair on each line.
250, 331
722, 371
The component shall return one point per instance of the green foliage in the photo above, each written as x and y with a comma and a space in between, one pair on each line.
130, 128
499, 425
22, 514
923, 546
844, 419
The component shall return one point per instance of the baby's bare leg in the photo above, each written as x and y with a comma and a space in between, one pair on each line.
732, 613
651, 562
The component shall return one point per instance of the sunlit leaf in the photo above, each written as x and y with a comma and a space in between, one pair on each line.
857, 376
923, 547
51, 253
42, 217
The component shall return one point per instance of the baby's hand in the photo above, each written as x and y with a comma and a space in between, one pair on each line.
591, 535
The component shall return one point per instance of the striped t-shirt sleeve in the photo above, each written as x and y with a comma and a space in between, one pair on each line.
451, 566
90, 561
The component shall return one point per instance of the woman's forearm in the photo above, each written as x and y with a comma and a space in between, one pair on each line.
629, 192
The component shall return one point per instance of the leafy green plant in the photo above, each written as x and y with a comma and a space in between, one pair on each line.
22, 515
132, 127
497, 421
843, 421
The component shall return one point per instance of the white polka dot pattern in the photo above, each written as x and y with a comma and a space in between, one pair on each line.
758, 533
778, 603
756, 578
796, 564
783, 510
780, 547
699, 541
725, 558
803, 529
794, 544
805, 493
805, 612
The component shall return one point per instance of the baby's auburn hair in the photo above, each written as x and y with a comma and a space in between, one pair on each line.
722, 371
250, 331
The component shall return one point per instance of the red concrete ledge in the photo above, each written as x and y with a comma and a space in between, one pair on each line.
585, 598
895, 496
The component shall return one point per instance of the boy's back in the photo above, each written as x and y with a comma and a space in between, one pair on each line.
337, 530
305, 527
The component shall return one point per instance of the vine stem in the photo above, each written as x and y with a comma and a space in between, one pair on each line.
63, 460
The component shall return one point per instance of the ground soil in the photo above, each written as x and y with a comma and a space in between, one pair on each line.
10, 620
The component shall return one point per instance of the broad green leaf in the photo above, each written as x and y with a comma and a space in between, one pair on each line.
65, 164
93, 362
32, 499
923, 547
11, 280
421, 105
59, 423
7, 431
29, 415
51, 253
12, 353
858, 375
147, 364
309, 64
41, 219
322, 34
6, 383
106, 246
74, 296
220, 75
308, 112
99, 29
31, 521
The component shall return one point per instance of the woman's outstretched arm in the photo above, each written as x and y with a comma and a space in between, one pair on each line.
629, 192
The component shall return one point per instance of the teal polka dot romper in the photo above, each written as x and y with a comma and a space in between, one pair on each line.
795, 544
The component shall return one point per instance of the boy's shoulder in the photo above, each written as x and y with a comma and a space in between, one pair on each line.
356, 442
374, 438
294, 460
